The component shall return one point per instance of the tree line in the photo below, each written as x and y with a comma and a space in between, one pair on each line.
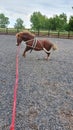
39, 22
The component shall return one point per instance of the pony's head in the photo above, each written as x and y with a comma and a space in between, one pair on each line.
24, 36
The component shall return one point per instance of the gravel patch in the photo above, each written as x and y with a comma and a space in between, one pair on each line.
45, 91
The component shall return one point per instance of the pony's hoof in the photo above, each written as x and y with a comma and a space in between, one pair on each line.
46, 58
23, 55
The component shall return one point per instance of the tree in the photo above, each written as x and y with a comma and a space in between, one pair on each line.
58, 22
4, 21
71, 23
37, 20
63, 21
52, 24
19, 24
45, 23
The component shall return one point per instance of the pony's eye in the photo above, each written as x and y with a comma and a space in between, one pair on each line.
17, 35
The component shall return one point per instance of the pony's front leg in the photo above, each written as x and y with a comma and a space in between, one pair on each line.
24, 53
26, 49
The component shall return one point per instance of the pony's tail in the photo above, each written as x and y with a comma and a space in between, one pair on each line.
54, 47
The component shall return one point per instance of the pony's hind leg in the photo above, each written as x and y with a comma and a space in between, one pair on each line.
48, 54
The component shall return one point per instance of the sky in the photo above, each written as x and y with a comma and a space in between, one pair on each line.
23, 9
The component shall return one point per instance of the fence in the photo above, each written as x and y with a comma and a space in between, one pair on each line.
55, 34
52, 34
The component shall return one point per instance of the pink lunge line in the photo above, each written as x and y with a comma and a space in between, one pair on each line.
12, 126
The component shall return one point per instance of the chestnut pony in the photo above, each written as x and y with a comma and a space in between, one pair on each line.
33, 43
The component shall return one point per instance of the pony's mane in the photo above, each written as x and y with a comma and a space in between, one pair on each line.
25, 32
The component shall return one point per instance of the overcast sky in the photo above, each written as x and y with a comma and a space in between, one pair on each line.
23, 9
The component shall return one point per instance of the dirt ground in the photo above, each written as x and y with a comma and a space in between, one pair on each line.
45, 90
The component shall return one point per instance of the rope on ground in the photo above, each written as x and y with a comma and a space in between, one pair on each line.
12, 126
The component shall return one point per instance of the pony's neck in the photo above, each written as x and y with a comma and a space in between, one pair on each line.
31, 37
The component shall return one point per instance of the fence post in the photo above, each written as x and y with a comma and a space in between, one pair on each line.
48, 33
58, 34
38, 32
68, 34
6, 30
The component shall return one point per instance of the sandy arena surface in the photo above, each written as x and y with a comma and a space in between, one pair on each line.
45, 91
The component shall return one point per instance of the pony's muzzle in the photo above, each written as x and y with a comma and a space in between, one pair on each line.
16, 44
